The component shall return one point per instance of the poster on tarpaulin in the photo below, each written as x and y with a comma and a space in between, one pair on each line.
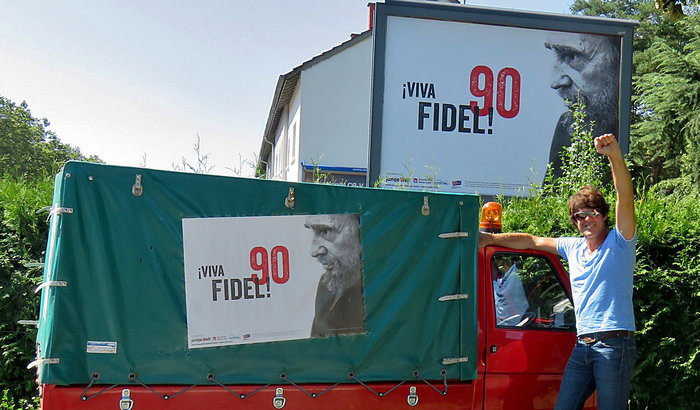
483, 108
272, 278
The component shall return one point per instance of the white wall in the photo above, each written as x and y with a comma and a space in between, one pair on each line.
335, 95
278, 163
294, 171
284, 161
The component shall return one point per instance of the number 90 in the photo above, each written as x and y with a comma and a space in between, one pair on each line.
260, 262
486, 91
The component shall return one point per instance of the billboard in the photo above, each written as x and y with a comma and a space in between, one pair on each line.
477, 100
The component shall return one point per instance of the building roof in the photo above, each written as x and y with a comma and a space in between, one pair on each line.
286, 84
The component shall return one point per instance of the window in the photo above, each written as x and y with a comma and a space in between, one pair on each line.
527, 293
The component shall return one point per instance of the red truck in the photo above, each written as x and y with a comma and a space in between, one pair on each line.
446, 325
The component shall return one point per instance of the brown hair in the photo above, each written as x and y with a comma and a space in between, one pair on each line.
587, 197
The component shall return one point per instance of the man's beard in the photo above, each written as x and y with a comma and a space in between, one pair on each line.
601, 109
335, 280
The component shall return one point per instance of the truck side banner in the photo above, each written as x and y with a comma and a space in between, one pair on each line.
160, 277
242, 272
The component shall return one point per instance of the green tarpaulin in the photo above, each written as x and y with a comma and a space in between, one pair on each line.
114, 275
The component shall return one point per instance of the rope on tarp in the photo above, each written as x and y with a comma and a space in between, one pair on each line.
211, 377
351, 376
283, 376
417, 375
93, 379
132, 377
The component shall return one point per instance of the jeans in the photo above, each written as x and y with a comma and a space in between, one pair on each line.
604, 366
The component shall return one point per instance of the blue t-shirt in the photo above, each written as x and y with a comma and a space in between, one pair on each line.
601, 282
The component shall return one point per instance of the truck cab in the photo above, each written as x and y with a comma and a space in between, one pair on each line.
527, 327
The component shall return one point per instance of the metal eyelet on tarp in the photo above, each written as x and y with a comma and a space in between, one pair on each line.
137, 188
425, 209
290, 199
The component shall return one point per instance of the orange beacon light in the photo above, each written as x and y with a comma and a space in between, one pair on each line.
491, 214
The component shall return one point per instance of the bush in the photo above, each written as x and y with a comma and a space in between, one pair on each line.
667, 301
23, 235
9, 403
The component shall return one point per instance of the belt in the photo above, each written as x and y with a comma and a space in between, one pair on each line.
591, 338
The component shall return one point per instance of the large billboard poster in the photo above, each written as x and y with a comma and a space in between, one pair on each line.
463, 106
272, 278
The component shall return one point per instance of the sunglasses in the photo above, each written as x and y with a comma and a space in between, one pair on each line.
581, 215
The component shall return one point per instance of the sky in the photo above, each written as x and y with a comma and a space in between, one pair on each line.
136, 83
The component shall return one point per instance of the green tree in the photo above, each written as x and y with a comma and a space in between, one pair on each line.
674, 8
653, 21
30, 155
667, 139
665, 100
27, 148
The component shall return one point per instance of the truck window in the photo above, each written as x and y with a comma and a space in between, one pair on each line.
528, 293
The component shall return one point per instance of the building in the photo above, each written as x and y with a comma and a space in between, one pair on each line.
452, 83
320, 115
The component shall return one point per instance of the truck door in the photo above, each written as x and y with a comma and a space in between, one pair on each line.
530, 328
